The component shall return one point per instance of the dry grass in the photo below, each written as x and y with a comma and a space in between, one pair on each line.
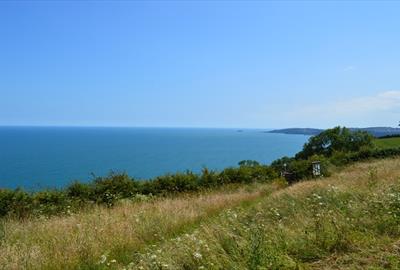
342, 222
345, 221
79, 240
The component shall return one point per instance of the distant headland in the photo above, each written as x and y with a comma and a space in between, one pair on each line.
374, 131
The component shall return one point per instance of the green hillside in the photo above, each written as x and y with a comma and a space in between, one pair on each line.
387, 142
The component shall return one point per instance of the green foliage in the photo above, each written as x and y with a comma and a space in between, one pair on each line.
248, 171
79, 191
335, 140
50, 202
113, 187
173, 183
301, 168
15, 203
208, 179
116, 186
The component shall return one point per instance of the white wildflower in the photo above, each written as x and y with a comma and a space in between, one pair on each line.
103, 259
197, 255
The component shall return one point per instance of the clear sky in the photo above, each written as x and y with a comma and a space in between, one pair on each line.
200, 64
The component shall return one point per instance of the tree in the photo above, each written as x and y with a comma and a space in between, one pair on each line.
338, 139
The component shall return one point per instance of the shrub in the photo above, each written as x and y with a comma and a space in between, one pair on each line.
114, 186
16, 203
248, 171
172, 183
208, 178
80, 191
50, 202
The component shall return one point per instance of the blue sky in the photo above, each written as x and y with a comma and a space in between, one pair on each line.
200, 64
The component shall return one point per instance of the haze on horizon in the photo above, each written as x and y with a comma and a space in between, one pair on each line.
200, 64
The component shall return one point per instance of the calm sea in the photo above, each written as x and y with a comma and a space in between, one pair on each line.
39, 157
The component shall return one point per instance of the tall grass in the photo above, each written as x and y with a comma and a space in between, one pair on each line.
81, 240
348, 221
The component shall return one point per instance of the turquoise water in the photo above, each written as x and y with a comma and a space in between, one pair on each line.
39, 157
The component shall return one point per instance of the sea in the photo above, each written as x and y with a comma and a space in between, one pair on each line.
35, 158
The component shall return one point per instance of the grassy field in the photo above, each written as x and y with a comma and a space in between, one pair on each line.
350, 220
387, 142
80, 241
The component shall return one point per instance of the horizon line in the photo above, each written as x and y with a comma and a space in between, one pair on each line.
177, 127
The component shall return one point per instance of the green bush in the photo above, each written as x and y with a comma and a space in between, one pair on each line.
172, 183
16, 203
113, 187
209, 179
248, 171
50, 202
80, 191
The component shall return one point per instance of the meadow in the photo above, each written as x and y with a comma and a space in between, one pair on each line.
80, 240
387, 142
350, 220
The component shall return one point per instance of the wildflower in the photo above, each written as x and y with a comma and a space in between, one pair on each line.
197, 255
103, 259
113, 261
154, 256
